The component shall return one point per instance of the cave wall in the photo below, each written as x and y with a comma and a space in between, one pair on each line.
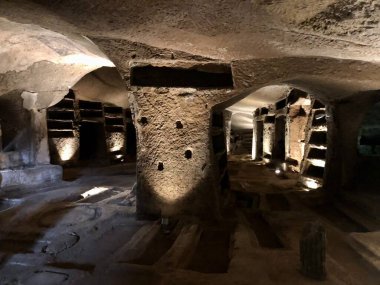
349, 169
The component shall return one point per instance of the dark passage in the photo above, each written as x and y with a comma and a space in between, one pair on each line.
264, 233
212, 252
92, 141
279, 146
206, 76
260, 136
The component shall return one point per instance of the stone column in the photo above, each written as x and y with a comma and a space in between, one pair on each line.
254, 139
333, 168
227, 115
175, 173
40, 138
175, 162
268, 136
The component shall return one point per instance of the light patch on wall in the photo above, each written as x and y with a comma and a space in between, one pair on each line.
87, 60
254, 150
66, 153
29, 99
176, 186
116, 142
318, 162
171, 194
68, 148
242, 121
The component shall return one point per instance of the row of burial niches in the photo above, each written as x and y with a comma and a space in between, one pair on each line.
19, 135
291, 135
85, 132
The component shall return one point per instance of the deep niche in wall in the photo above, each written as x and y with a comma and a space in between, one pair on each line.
209, 75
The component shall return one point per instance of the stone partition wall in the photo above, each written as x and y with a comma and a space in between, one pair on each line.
176, 168
296, 122
175, 173
227, 115
24, 158
268, 136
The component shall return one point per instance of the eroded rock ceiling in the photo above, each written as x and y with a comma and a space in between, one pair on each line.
324, 46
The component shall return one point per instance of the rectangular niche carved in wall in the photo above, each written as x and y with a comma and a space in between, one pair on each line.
205, 75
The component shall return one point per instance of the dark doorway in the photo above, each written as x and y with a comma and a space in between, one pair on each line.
131, 137
279, 139
369, 151
92, 141
209, 75
260, 137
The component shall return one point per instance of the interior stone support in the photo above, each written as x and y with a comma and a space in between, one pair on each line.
175, 173
255, 139
227, 115
176, 168
40, 137
268, 136
296, 122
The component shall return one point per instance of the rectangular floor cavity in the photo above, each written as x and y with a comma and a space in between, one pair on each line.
265, 235
160, 244
212, 252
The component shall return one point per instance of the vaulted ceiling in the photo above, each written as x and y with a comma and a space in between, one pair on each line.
36, 34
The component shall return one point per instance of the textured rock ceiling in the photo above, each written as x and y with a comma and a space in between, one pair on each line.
229, 30
242, 111
225, 29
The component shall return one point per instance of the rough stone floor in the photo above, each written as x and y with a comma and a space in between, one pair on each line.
52, 235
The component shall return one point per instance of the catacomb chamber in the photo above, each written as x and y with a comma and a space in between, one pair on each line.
82, 132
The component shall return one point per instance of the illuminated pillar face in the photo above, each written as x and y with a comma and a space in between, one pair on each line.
227, 116
116, 144
67, 149
268, 138
170, 180
254, 140
64, 150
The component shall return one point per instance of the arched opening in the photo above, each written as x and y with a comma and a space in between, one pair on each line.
288, 142
93, 125
279, 138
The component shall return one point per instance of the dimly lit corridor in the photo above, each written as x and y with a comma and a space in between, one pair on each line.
189, 142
